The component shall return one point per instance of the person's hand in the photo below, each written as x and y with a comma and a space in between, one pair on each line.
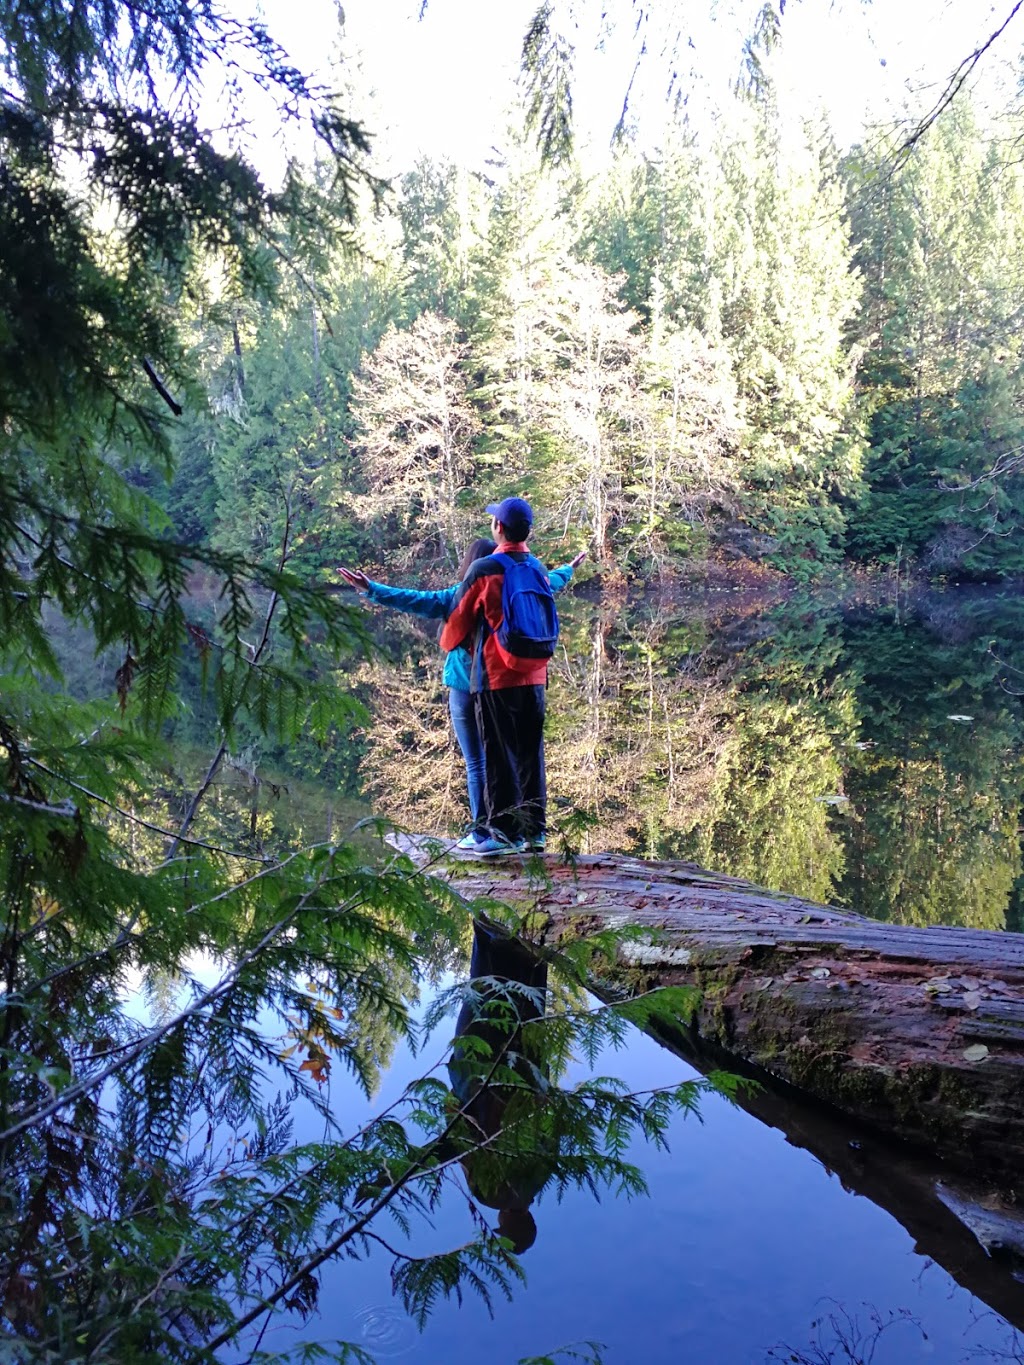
573, 563
355, 578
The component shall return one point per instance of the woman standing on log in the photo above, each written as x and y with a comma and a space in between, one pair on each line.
436, 606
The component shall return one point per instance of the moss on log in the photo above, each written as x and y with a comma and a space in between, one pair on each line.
918, 1032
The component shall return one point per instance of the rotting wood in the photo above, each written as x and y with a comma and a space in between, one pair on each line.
917, 1032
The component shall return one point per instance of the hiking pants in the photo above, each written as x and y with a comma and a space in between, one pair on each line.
511, 724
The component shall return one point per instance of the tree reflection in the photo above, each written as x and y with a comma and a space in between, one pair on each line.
770, 816
807, 748
937, 792
854, 1337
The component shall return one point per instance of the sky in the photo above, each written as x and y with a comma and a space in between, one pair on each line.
444, 85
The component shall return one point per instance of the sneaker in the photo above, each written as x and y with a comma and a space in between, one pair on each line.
495, 847
469, 843
537, 844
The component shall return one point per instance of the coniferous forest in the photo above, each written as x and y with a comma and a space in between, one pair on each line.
752, 344
746, 354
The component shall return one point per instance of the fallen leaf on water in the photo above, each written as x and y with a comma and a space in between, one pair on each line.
972, 1000
977, 1052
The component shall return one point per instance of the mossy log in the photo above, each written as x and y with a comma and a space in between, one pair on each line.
917, 1032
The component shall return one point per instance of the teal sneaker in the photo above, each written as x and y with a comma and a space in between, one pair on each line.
469, 843
537, 844
494, 846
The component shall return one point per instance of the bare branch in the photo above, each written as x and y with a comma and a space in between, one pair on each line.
956, 83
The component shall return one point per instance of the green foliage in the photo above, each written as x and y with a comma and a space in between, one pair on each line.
937, 247
588, 1351
176, 977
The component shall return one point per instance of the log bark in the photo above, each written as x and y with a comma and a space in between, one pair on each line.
916, 1032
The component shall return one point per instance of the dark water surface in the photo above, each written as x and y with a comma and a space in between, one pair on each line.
861, 753
745, 1245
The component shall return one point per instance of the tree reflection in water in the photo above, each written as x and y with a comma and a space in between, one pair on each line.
858, 755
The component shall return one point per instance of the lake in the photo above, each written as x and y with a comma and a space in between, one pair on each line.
851, 750
861, 753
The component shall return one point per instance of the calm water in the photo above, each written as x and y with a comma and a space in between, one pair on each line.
744, 1243
862, 753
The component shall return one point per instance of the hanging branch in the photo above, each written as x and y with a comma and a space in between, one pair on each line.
255, 655
955, 84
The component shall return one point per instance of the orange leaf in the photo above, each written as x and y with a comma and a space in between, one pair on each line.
318, 1066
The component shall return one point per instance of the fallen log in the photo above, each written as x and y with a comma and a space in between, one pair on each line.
916, 1032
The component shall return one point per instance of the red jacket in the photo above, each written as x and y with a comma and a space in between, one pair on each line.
476, 615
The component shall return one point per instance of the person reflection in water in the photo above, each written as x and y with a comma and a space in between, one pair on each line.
492, 1086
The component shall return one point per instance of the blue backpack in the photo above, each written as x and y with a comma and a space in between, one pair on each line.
529, 624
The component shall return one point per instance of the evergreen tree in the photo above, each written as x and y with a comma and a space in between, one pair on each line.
939, 249
781, 260
442, 212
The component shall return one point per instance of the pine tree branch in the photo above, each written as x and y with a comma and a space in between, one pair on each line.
417, 1168
138, 820
128, 935
89, 1083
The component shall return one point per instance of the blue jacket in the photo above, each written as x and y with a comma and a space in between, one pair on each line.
437, 606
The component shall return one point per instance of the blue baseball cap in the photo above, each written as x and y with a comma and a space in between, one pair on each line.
512, 512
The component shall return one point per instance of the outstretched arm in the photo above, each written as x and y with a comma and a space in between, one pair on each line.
561, 578
433, 605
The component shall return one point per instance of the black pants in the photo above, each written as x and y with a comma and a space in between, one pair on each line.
511, 724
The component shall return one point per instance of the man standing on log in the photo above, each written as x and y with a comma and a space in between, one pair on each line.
505, 615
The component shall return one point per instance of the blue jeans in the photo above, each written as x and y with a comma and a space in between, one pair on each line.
463, 714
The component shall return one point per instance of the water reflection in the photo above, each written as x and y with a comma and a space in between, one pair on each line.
856, 754
972, 1229
500, 1074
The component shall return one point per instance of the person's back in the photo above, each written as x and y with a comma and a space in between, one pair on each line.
437, 605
